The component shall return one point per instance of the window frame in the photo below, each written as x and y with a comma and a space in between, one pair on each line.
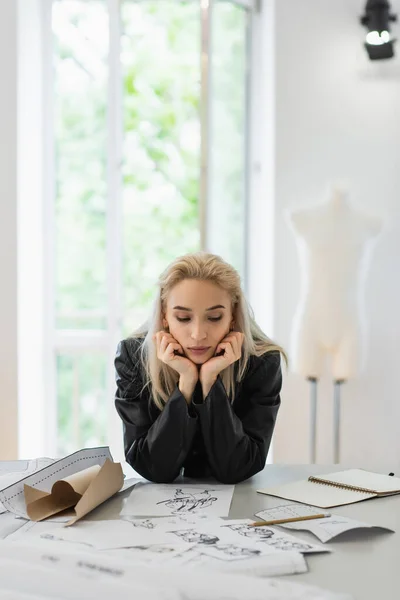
105, 341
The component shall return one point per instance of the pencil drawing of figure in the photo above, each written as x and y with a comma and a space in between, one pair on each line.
193, 536
258, 533
282, 544
263, 534
145, 523
189, 502
238, 551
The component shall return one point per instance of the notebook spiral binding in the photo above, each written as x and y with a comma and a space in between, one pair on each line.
342, 486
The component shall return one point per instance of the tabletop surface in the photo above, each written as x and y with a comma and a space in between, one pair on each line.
364, 563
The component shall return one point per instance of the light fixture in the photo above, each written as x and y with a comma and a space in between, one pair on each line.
378, 42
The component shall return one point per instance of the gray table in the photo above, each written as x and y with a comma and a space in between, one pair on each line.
364, 563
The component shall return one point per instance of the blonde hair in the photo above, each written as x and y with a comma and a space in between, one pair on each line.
207, 267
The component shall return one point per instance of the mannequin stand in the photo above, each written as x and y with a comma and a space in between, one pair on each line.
336, 420
313, 419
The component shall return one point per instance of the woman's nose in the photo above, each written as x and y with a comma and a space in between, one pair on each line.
198, 332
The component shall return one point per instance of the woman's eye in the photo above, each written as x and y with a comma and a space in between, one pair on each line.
186, 319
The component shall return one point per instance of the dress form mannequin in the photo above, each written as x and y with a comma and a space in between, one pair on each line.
334, 243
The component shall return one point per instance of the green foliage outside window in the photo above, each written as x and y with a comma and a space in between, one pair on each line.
160, 170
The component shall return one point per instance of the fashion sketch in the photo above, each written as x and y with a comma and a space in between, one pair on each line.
189, 502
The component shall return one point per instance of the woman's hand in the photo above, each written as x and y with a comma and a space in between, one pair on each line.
170, 352
231, 346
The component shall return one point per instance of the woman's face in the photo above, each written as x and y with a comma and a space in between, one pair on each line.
199, 315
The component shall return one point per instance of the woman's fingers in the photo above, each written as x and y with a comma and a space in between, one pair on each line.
171, 348
163, 345
235, 339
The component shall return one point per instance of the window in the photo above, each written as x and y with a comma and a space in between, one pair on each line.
149, 131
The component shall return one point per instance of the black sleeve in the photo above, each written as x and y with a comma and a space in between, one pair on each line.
237, 437
156, 442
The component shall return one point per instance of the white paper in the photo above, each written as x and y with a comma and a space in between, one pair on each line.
73, 576
12, 471
324, 529
12, 497
23, 466
267, 538
289, 511
151, 499
190, 556
49, 580
331, 527
163, 554
9, 523
15, 595
130, 533
42, 535
129, 483
265, 565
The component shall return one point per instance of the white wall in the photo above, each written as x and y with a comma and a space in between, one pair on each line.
8, 233
338, 116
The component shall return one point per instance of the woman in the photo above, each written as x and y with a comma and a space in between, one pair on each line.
199, 384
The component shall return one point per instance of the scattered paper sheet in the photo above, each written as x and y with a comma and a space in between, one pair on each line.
150, 499
331, 527
73, 576
34, 533
191, 556
226, 540
21, 468
162, 554
12, 497
9, 523
264, 565
12, 471
45, 579
324, 529
289, 511
268, 538
177, 555
109, 534
15, 595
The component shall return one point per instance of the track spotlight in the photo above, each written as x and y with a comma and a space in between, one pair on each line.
378, 42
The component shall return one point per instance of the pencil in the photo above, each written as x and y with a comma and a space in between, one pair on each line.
291, 520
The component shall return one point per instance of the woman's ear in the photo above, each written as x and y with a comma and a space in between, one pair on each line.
165, 325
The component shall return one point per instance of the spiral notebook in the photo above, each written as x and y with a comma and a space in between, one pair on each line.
337, 489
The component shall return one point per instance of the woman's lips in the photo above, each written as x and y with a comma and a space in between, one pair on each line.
199, 351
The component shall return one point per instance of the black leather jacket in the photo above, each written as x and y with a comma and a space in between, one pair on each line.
207, 438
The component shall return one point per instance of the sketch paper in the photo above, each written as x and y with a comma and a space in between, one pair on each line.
13, 498
41, 535
125, 533
329, 528
264, 565
324, 529
150, 499
73, 576
289, 510
163, 554
191, 556
269, 538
